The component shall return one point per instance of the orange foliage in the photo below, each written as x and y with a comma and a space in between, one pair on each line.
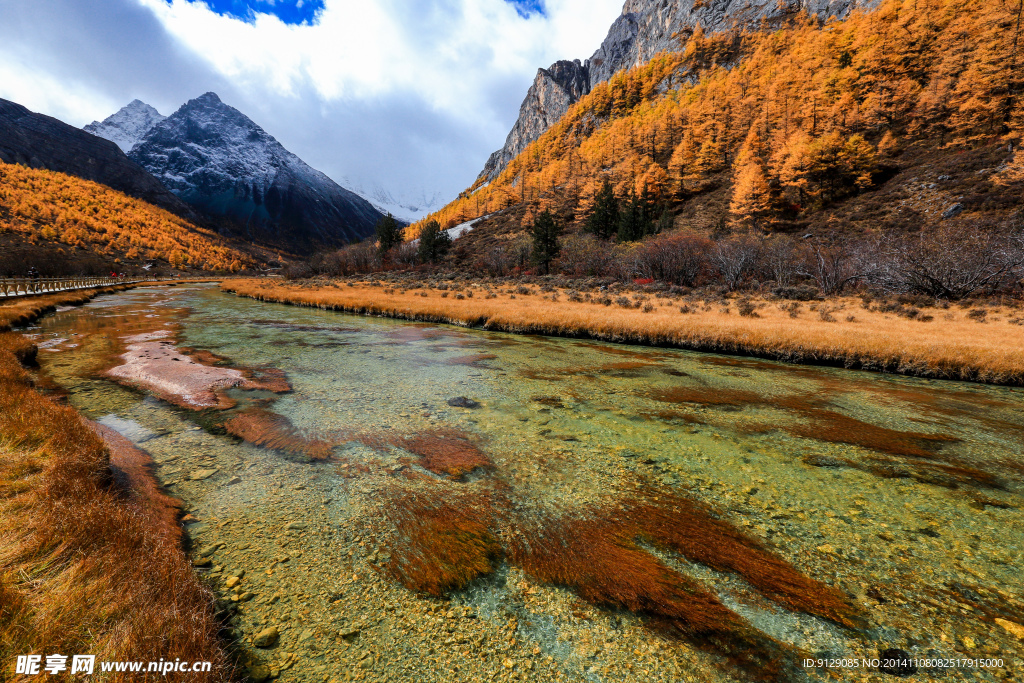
46, 206
824, 102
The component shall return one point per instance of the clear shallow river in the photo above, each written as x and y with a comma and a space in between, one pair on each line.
903, 494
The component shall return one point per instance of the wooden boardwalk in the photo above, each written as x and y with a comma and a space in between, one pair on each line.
23, 286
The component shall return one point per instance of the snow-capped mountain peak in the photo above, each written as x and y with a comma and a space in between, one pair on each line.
220, 161
129, 125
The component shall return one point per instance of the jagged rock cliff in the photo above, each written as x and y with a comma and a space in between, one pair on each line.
554, 90
645, 28
41, 141
217, 159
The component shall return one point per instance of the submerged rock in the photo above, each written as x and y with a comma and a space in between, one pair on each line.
462, 402
268, 637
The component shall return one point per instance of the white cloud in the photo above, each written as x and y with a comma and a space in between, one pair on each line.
442, 52
51, 95
411, 95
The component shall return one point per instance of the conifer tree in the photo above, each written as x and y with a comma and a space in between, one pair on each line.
604, 220
434, 242
389, 233
636, 220
546, 230
750, 203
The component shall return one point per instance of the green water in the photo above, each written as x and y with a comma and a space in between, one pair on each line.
905, 494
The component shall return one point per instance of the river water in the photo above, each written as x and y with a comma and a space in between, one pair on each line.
902, 494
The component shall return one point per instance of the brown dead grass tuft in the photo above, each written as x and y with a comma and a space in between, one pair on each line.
86, 564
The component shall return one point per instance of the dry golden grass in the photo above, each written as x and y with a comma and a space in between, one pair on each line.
950, 345
90, 561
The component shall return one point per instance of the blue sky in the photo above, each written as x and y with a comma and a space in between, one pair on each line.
289, 11
527, 7
306, 11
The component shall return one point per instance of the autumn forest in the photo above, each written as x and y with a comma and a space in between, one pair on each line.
789, 122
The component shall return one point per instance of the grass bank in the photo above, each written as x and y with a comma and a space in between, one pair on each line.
91, 558
983, 344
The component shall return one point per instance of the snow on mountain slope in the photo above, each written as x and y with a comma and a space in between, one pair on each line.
408, 206
217, 159
126, 127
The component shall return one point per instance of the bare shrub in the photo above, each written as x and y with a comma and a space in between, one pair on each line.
951, 261
793, 308
677, 258
747, 309
404, 254
835, 262
583, 254
780, 258
502, 259
735, 258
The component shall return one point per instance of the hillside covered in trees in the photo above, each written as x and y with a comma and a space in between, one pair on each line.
64, 225
895, 120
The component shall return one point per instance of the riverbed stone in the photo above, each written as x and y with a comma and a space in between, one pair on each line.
463, 402
268, 637
199, 475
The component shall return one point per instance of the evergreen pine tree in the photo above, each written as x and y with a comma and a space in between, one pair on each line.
636, 220
546, 230
434, 242
604, 220
389, 233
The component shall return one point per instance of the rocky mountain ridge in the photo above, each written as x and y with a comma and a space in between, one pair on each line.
645, 28
128, 125
40, 141
217, 159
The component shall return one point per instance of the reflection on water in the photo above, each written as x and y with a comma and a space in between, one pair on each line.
559, 530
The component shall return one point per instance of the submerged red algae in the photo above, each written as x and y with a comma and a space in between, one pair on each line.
592, 557
688, 527
445, 543
268, 429
444, 538
920, 455
447, 452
